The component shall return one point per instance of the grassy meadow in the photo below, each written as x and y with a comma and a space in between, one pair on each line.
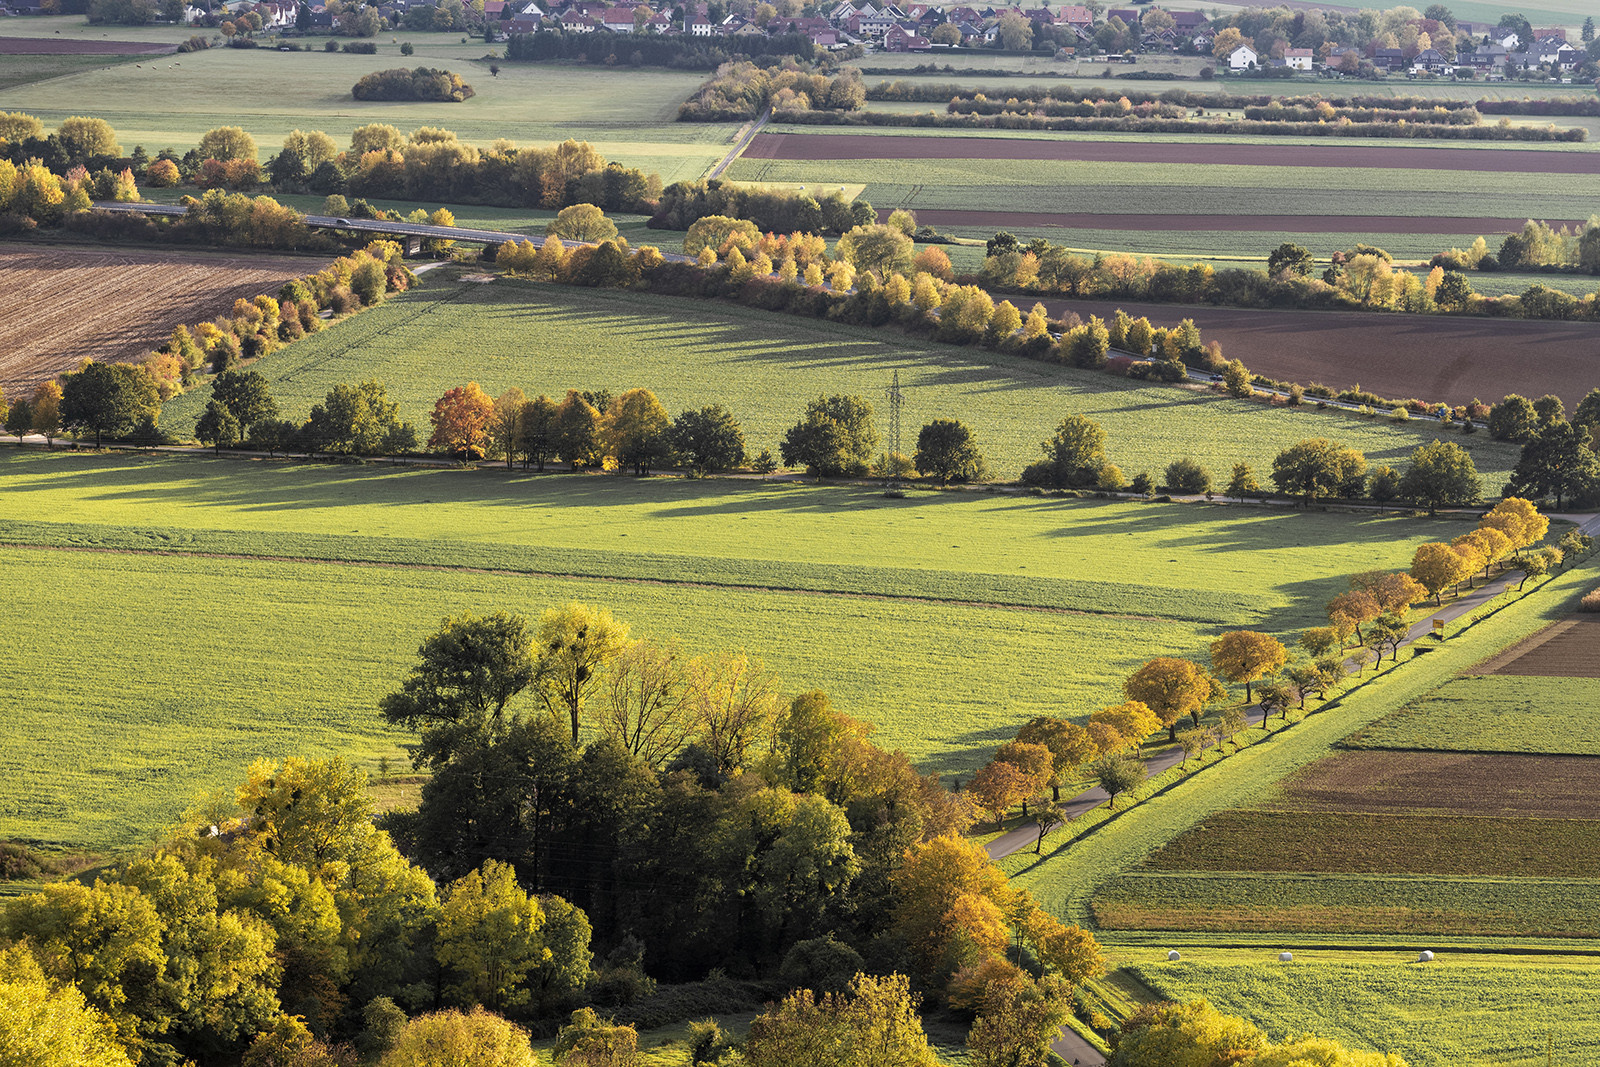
1495, 713
266, 607
764, 368
169, 101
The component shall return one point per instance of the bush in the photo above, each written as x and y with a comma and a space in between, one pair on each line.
422, 84
1590, 602
359, 48
1187, 476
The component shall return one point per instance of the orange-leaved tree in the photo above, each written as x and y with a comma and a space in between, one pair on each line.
1132, 719
1170, 687
1245, 655
461, 421
1437, 566
1068, 743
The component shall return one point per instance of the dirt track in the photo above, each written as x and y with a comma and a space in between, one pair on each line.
66, 306
1443, 358
1398, 156
50, 46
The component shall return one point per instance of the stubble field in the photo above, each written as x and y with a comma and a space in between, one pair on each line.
65, 306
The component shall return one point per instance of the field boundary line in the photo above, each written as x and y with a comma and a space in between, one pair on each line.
579, 576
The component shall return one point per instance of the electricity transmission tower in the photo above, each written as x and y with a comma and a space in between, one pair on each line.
896, 400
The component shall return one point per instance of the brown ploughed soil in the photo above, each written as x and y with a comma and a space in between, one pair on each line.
50, 46
65, 306
1448, 782
1567, 649
1119, 150
1431, 357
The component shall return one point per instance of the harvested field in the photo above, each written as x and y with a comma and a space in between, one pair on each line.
1567, 649
1439, 782
1364, 843
997, 220
1433, 357
1494, 713
67, 306
50, 46
806, 146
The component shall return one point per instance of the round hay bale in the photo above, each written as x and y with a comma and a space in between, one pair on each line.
1173, 956
1425, 956
1286, 957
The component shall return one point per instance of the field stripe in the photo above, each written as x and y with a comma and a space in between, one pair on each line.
1409, 156
578, 576
1228, 223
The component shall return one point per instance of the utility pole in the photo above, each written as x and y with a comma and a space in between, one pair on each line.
896, 399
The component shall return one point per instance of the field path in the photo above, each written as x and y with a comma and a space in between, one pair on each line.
739, 146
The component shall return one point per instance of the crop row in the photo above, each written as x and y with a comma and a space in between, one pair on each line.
1494, 713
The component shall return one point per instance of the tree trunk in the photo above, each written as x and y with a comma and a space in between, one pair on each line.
1055, 792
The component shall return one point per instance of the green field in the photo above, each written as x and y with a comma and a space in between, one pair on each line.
171, 100
1495, 713
247, 630
1462, 1009
764, 368
1394, 904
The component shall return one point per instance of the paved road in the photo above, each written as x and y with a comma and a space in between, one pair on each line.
740, 146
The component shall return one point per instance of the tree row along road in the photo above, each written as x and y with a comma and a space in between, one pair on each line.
403, 229
1028, 834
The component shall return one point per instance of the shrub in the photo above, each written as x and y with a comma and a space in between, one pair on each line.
423, 83
1590, 601
1187, 476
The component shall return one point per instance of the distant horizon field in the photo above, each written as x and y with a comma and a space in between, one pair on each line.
265, 607
765, 367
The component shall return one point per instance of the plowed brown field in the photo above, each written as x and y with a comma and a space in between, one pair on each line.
1432, 357
52, 46
64, 306
1567, 649
1560, 787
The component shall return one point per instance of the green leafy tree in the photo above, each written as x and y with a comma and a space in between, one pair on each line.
1441, 474
575, 643
947, 450
227, 142
1513, 419
1454, 292
1289, 259
1117, 773
246, 395
538, 432
19, 419
707, 440
1558, 460
1243, 483
1384, 485
1317, 468
489, 938
581, 222
48, 1024
218, 427
1074, 454
836, 438
588, 1041
636, 430
874, 1024
468, 672
478, 1037
1018, 1022
108, 399
1186, 475
577, 430
879, 248
360, 420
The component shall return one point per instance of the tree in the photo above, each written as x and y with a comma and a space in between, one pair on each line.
1513, 419
359, 419
1067, 742
635, 430
1386, 632
1195, 1034
1350, 611
19, 419
1437, 566
227, 142
714, 231
44, 1024
1226, 42
735, 703
1116, 774
461, 420
1170, 687
1441, 473
1132, 720
1243, 483
218, 427
1316, 468
937, 883
1245, 655
469, 671
875, 1024
708, 440
108, 399
1538, 564
537, 435
1454, 292
586, 1041
489, 938
1187, 476
1289, 259
1034, 761
1559, 460
46, 405
575, 643
947, 450
478, 1038
1519, 520
505, 428
879, 248
1018, 1022
1384, 485
1074, 455
1237, 380
581, 222
577, 428
247, 396
836, 437
1016, 32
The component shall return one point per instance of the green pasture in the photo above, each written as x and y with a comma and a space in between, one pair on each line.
1167, 188
26, 69
262, 608
764, 368
1068, 877
1509, 1011
627, 114
1495, 713
1397, 905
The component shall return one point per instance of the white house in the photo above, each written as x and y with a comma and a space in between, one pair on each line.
1298, 58
1242, 58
